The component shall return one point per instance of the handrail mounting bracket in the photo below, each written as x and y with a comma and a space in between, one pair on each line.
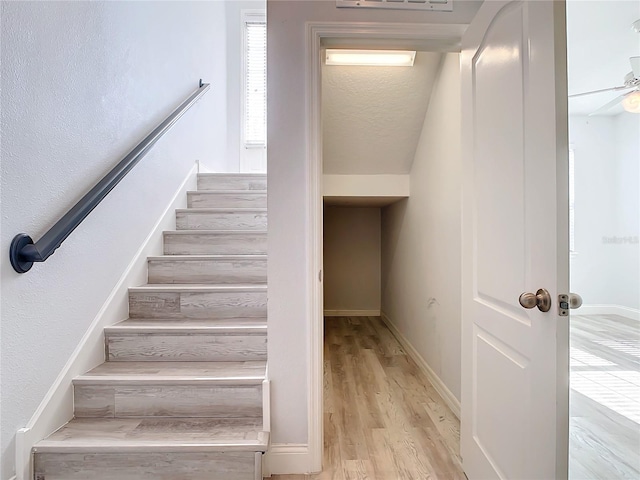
18, 263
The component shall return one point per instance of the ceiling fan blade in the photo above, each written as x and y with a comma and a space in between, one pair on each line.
635, 66
612, 89
610, 104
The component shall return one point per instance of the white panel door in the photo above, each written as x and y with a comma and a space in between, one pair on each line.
515, 385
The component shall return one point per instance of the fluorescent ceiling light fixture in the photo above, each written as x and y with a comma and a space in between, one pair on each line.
388, 58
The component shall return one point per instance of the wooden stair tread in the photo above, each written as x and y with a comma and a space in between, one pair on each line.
227, 192
156, 434
199, 258
188, 325
137, 373
198, 287
232, 174
215, 232
221, 210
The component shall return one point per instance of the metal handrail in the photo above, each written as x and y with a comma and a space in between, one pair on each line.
24, 252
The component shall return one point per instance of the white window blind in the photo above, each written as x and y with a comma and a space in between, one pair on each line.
255, 84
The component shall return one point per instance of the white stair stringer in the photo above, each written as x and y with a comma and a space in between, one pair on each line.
184, 391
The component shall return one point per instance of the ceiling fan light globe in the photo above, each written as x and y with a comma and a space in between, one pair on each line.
631, 102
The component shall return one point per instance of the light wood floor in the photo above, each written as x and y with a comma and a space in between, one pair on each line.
382, 418
604, 433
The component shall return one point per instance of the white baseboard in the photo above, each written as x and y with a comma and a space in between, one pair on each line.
56, 408
352, 313
266, 405
449, 398
287, 458
630, 313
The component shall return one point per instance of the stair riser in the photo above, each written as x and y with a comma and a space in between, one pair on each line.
197, 304
167, 401
147, 466
218, 271
232, 182
219, 244
188, 348
226, 200
221, 221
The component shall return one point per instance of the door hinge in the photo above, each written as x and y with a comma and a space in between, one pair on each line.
320, 276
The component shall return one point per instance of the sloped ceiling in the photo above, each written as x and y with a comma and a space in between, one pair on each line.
599, 43
372, 116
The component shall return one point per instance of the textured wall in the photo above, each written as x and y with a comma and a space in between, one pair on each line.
372, 116
607, 206
289, 278
351, 258
82, 83
421, 278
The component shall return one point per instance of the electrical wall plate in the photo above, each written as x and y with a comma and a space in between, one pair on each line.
429, 5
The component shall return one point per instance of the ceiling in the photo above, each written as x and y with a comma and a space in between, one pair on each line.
373, 116
600, 41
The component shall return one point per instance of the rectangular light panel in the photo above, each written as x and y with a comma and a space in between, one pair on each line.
388, 58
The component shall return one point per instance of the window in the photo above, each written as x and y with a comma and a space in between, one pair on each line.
254, 75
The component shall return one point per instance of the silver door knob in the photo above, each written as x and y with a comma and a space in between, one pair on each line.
575, 300
565, 302
540, 299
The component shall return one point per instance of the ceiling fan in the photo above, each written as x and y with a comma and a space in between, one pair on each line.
630, 100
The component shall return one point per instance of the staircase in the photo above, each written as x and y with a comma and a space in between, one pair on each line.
180, 395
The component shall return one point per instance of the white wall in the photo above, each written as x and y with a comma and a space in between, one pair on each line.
421, 276
82, 83
233, 15
351, 259
607, 206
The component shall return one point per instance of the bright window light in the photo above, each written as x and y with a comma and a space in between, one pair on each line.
388, 58
254, 128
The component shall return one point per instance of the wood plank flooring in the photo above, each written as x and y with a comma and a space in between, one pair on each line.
383, 421
382, 418
604, 433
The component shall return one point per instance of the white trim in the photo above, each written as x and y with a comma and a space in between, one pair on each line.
604, 309
449, 398
441, 37
57, 406
23, 455
266, 405
286, 458
352, 313
315, 299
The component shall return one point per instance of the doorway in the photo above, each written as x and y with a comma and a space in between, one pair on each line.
433, 38
605, 211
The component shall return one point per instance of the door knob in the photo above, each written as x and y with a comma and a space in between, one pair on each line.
565, 302
540, 299
575, 300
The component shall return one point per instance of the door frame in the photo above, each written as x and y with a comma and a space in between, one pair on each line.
432, 37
